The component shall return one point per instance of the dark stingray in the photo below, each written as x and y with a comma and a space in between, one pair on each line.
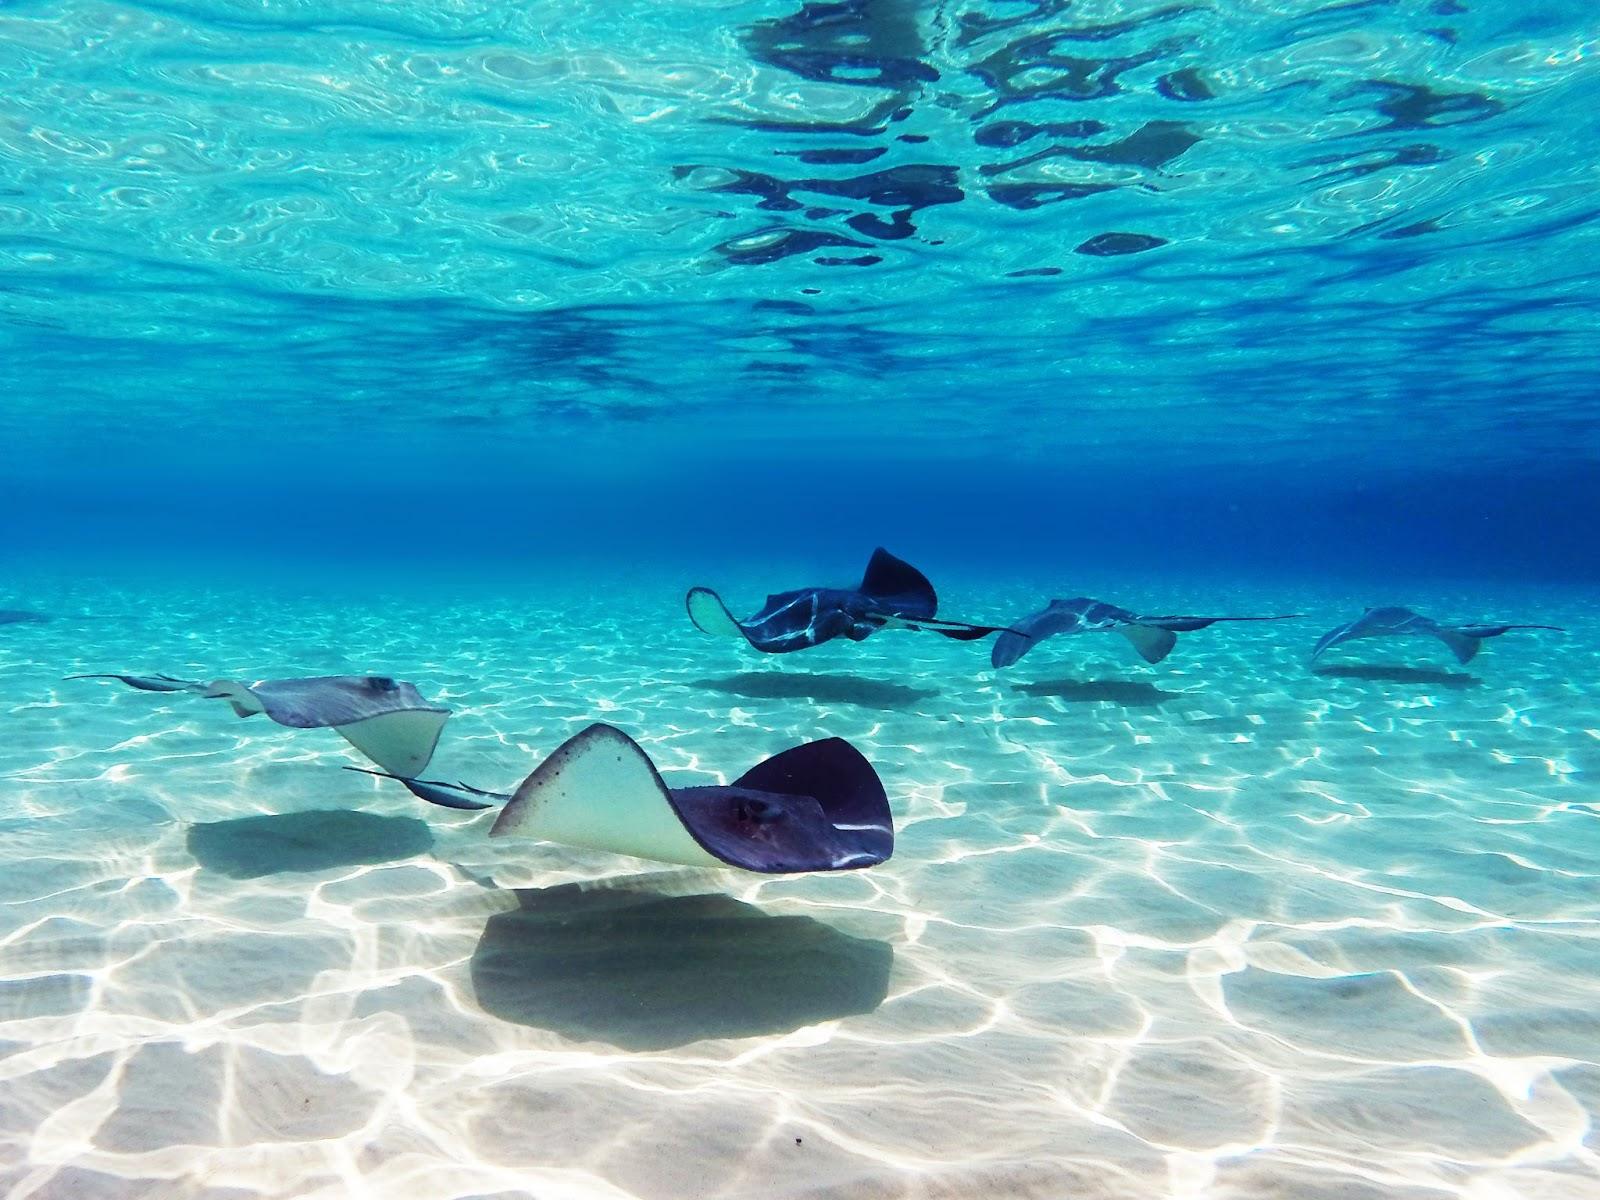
1152, 637
387, 720
892, 592
18, 616
816, 807
1464, 640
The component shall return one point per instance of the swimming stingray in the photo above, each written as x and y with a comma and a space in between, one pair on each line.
892, 592
1464, 640
386, 720
1152, 637
816, 807
19, 616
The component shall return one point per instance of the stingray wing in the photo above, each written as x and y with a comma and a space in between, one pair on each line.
1152, 642
1059, 616
1348, 632
710, 615
600, 790
788, 621
896, 588
388, 721
848, 792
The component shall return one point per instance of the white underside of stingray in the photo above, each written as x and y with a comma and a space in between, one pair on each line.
601, 791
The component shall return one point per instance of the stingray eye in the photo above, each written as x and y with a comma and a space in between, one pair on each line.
757, 810
381, 683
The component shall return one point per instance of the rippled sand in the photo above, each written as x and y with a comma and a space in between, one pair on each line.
1218, 928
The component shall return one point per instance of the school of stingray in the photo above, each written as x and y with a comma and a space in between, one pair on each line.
819, 806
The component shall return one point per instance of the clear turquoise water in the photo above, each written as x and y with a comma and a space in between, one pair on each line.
455, 341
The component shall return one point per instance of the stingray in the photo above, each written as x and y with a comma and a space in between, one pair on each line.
19, 616
1464, 640
388, 721
891, 593
818, 806
1152, 637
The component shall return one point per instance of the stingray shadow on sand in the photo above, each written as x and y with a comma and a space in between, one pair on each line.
1454, 680
820, 689
641, 971
250, 847
1127, 692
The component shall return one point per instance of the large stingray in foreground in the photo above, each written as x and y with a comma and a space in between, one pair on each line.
385, 719
891, 593
1152, 637
816, 807
1464, 640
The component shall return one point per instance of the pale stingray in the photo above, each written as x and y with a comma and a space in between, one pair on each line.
1464, 640
1152, 637
387, 720
816, 807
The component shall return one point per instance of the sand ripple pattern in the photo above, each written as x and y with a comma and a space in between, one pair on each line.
1221, 928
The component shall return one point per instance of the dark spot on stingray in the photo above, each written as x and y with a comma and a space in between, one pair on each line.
1186, 84
250, 847
797, 1141
1107, 245
1030, 271
1453, 680
645, 972
1126, 692
821, 689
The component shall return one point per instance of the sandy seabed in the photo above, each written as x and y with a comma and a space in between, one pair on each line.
1220, 928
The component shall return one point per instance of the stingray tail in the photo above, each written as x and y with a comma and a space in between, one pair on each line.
446, 795
961, 631
150, 683
1190, 624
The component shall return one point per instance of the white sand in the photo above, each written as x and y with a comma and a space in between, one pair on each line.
1218, 928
